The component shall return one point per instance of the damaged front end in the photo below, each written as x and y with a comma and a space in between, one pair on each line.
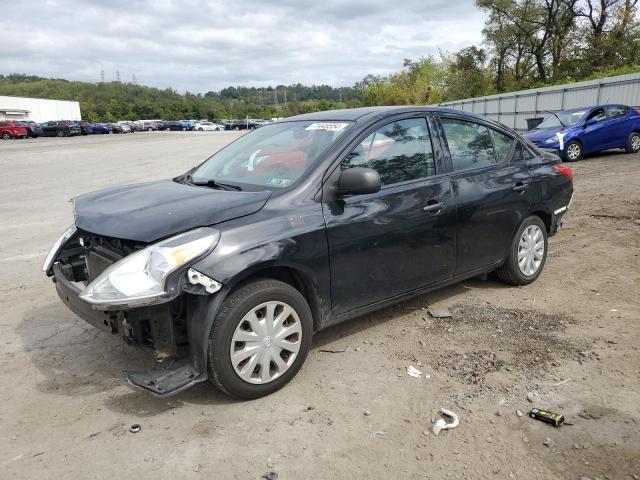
147, 293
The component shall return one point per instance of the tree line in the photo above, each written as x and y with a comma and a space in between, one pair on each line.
526, 44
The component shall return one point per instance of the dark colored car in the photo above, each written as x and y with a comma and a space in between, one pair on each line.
84, 126
581, 131
116, 128
175, 126
104, 128
161, 125
33, 129
226, 271
10, 129
60, 128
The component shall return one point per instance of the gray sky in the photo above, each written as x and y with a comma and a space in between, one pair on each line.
207, 45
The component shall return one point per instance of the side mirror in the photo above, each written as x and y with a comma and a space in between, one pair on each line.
359, 181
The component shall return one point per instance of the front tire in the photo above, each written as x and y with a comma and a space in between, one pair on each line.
527, 253
633, 144
573, 152
259, 339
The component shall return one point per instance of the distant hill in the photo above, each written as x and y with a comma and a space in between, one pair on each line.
113, 101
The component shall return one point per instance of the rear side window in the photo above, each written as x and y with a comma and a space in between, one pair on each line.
400, 151
4, 124
617, 111
470, 144
521, 153
503, 145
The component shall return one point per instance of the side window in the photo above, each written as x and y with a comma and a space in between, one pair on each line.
4, 124
597, 115
617, 111
399, 152
503, 145
470, 144
521, 153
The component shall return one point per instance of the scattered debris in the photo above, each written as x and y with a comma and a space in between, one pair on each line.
270, 475
367, 413
562, 382
532, 396
378, 434
545, 416
519, 413
414, 372
135, 428
328, 350
439, 312
442, 424
548, 442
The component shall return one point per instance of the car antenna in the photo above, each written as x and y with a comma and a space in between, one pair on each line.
555, 115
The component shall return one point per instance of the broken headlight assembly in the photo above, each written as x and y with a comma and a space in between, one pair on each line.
55, 248
142, 277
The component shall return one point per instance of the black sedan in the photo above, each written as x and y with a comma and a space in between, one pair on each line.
175, 126
228, 270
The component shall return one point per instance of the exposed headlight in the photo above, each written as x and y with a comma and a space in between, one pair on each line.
55, 248
140, 278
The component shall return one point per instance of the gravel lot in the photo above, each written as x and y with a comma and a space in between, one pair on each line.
571, 341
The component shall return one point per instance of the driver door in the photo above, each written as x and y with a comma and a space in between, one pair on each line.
401, 238
595, 137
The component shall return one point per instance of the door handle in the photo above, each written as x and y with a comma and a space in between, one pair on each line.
520, 187
434, 207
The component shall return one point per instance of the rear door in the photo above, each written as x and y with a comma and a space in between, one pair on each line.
491, 193
401, 238
619, 124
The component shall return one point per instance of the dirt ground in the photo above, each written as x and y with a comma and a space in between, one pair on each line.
569, 342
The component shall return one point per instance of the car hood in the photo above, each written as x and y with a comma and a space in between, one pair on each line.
150, 211
541, 134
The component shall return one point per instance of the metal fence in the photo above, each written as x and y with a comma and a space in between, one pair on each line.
515, 108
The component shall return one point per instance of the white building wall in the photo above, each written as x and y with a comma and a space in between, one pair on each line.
38, 109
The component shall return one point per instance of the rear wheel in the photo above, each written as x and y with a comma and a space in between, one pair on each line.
573, 152
527, 253
633, 144
259, 339
6, 136
60, 133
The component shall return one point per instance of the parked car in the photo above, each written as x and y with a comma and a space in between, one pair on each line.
103, 128
60, 128
227, 271
149, 125
126, 127
188, 124
161, 124
84, 126
175, 126
581, 131
33, 129
206, 126
10, 129
116, 128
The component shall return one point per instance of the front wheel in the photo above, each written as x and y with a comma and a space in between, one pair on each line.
573, 152
527, 253
633, 144
6, 136
259, 339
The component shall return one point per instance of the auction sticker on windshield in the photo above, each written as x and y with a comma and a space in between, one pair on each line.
331, 126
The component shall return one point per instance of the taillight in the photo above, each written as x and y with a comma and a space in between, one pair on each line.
564, 170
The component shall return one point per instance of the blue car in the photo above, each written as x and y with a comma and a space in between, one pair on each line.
577, 132
101, 128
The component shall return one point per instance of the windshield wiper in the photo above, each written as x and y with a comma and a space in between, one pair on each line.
555, 115
214, 184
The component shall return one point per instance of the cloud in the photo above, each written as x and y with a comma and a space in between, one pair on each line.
199, 45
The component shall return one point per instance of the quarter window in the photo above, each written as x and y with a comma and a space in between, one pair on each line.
617, 111
503, 145
400, 151
470, 144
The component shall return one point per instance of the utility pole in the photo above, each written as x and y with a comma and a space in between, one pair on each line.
133, 78
285, 97
118, 76
102, 76
275, 95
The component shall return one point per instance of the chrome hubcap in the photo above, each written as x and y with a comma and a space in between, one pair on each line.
635, 143
530, 250
266, 342
573, 151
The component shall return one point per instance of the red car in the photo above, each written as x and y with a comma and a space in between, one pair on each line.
8, 130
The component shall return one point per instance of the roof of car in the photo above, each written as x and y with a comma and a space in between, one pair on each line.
354, 114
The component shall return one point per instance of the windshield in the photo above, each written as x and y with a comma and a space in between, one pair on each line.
568, 119
272, 157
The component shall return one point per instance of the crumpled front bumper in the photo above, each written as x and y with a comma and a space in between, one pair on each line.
167, 377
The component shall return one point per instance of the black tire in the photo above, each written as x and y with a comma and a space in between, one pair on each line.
633, 143
60, 133
239, 302
510, 271
6, 136
572, 146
